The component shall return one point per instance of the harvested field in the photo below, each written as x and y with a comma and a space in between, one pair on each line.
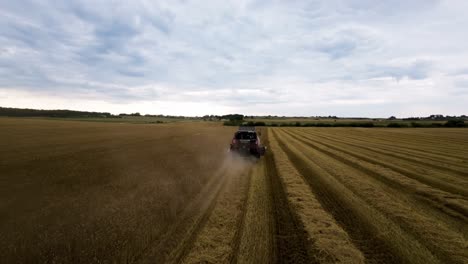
382, 188
91, 192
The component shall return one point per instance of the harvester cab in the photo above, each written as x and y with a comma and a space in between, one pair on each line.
247, 141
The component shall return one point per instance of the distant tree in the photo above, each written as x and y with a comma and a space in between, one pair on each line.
416, 124
25, 112
436, 117
455, 123
234, 117
397, 125
260, 123
392, 118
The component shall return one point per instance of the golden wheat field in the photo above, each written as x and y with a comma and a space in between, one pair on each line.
93, 192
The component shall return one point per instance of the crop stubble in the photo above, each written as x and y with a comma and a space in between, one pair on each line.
84, 192
410, 230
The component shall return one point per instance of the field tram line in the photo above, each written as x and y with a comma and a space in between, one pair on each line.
229, 210
253, 241
241, 222
443, 242
290, 239
428, 194
378, 238
174, 245
401, 155
450, 188
178, 255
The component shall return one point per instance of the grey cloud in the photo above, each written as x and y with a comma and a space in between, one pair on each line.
112, 50
463, 71
338, 49
416, 70
461, 85
390, 7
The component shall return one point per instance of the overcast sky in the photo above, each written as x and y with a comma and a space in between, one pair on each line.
345, 58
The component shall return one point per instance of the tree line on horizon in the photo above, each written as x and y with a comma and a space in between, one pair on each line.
233, 118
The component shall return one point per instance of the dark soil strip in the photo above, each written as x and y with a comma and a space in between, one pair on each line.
290, 236
361, 232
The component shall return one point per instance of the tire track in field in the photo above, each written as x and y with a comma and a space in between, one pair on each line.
404, 157
242, 220
436, 183
218, 241
173, 244
355, 217
255, 238
445, 243
188, 241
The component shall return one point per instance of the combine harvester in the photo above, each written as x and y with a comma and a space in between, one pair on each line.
246, 141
